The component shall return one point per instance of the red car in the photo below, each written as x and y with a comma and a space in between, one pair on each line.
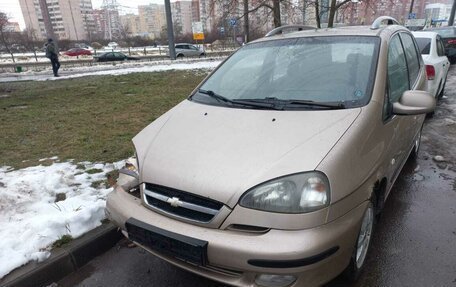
77, 52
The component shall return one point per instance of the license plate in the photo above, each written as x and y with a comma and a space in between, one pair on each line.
169, 243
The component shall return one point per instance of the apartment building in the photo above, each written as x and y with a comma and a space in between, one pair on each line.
182, 16
152, 19
131, 24
68, 19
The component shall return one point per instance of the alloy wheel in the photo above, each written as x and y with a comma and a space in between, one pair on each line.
364, 236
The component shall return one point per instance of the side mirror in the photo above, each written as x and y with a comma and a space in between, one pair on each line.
414, 103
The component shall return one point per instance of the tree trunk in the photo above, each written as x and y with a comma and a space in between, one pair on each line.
411, 6
246, 21
276, 13
332, 13
6, 44
317, 14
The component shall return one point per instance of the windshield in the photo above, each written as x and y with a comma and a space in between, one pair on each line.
312, 69
424, 44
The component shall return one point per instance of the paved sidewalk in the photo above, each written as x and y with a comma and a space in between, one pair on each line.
64, 260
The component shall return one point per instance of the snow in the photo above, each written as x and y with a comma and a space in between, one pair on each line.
113, 69
31, 220
144, 69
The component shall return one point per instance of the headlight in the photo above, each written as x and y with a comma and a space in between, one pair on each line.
129, 175
297, 193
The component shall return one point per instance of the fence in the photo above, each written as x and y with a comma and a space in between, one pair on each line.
43, 63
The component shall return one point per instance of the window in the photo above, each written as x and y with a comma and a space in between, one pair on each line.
440, 49
413, 63
398, 80
424, 45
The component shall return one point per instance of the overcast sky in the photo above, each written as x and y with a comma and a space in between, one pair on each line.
13, 9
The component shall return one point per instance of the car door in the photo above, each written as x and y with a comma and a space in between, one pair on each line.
415, 68
443, 62
194, 50
109, 57
395, 127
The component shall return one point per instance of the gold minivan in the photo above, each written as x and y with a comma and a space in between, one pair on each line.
273, 170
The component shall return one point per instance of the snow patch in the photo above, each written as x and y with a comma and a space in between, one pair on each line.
31, 220
144, 69
439, 158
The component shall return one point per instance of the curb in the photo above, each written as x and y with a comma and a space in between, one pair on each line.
64, 260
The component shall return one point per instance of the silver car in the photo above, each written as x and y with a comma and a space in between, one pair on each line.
188, 50
274, 169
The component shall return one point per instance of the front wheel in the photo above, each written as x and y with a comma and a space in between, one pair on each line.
358, 259
416, 146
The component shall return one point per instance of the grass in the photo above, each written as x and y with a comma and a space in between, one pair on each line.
65, 239
85, 119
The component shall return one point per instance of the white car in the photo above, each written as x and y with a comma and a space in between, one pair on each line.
437, 64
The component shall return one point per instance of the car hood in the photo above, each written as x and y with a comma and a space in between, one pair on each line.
219, 153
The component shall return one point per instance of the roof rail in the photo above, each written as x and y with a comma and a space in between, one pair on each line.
379, 20
280, 29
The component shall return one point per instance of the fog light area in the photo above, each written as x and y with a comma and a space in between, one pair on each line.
270, 280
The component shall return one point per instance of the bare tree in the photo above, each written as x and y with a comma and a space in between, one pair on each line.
5, 35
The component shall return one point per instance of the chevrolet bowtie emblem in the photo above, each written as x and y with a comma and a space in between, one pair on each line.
174, 201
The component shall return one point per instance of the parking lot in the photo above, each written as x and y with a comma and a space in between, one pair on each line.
413, 244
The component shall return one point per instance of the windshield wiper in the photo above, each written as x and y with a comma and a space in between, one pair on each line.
286, 103
242, 103
214, 95
334, 106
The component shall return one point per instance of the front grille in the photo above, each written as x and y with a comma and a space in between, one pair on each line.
181, 203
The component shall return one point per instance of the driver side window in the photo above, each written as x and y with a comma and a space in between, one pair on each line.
398, 79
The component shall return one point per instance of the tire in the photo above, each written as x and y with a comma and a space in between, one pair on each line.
452, 60
416, 146
203, 55
180, 56
362, 244
442, 91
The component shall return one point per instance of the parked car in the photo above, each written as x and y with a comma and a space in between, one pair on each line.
113, 56
448, 35
437, 64
188, 50
77, 52
113, 45
272, 172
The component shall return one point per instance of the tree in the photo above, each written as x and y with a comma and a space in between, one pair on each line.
5, 35
334, 6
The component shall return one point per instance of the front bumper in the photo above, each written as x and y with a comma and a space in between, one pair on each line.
235, 257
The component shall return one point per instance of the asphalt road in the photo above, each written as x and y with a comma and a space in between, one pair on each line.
414, 243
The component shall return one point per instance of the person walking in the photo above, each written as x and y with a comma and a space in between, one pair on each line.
53, 54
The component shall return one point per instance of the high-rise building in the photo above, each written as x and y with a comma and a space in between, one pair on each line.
152, 19
130, 24
68, 19
182, 16
112, 28
12, 27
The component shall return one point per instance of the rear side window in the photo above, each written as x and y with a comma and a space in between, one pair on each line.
398, 79
413, 62
440, 48
424, 44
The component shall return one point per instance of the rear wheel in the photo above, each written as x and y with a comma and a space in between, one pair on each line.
358, 259
180, 56
442, 91
452, 60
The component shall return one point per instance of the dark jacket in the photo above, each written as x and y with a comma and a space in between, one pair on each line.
51, 50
